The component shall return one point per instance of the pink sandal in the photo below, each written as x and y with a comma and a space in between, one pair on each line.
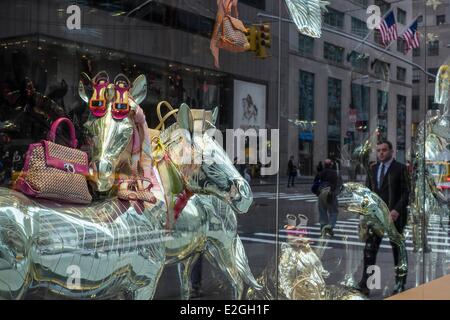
135, 190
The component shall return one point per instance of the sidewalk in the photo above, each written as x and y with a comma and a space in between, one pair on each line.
272, 180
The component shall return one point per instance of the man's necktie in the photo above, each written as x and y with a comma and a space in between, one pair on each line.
380, 183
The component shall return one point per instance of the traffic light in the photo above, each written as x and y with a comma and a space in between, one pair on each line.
263, 40
251, 34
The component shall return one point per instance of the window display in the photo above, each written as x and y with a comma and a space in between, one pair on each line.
311, 163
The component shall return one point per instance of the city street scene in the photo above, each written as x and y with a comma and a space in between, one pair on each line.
224, 149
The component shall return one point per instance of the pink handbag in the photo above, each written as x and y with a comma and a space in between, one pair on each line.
56, 172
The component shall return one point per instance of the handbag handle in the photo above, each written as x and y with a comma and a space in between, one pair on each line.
52, 133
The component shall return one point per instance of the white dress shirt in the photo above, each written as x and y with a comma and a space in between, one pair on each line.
386, 168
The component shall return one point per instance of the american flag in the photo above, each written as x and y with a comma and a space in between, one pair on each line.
411, 36
388, 28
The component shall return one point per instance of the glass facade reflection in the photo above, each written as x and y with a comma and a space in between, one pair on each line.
333, 136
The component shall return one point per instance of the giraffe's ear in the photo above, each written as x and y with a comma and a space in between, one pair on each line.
139, 89
82, 92
442, 86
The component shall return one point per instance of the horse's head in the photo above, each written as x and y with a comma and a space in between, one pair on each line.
111, 125
203, 163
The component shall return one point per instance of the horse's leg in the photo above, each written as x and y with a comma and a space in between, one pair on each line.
147, 292
184, 273
216, 253
14, 262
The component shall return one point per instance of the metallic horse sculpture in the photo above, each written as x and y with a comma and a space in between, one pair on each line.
300, 276
374, 218
213, 229
431, 152
108, 249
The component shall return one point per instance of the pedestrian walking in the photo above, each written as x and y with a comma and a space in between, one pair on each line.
329, 188
292, 172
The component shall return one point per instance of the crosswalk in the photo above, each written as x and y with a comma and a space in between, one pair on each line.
294, 197
346, 235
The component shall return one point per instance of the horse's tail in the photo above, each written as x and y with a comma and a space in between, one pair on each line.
243, 267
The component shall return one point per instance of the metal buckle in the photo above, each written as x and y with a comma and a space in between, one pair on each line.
69, 167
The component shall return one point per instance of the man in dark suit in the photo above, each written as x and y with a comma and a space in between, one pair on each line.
389, 179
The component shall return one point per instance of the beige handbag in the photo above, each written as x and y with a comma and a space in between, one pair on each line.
56, 172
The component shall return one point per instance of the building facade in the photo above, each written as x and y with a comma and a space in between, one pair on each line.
349, 89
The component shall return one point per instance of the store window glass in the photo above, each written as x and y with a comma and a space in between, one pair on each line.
314, 115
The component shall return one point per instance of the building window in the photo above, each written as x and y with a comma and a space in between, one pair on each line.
381, 69
440, 19
334, 18
384, 6
419, 20
382, 118
306, 113
432, 71
431, 104
401, 16
401, 45
362, 3
360, 107
433, 48
401, 74
359, 61
305, 44
359, 27
415, 102
416, 52
333, 53
401, 128
377, 38
334, 117
166, 15
416, 75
